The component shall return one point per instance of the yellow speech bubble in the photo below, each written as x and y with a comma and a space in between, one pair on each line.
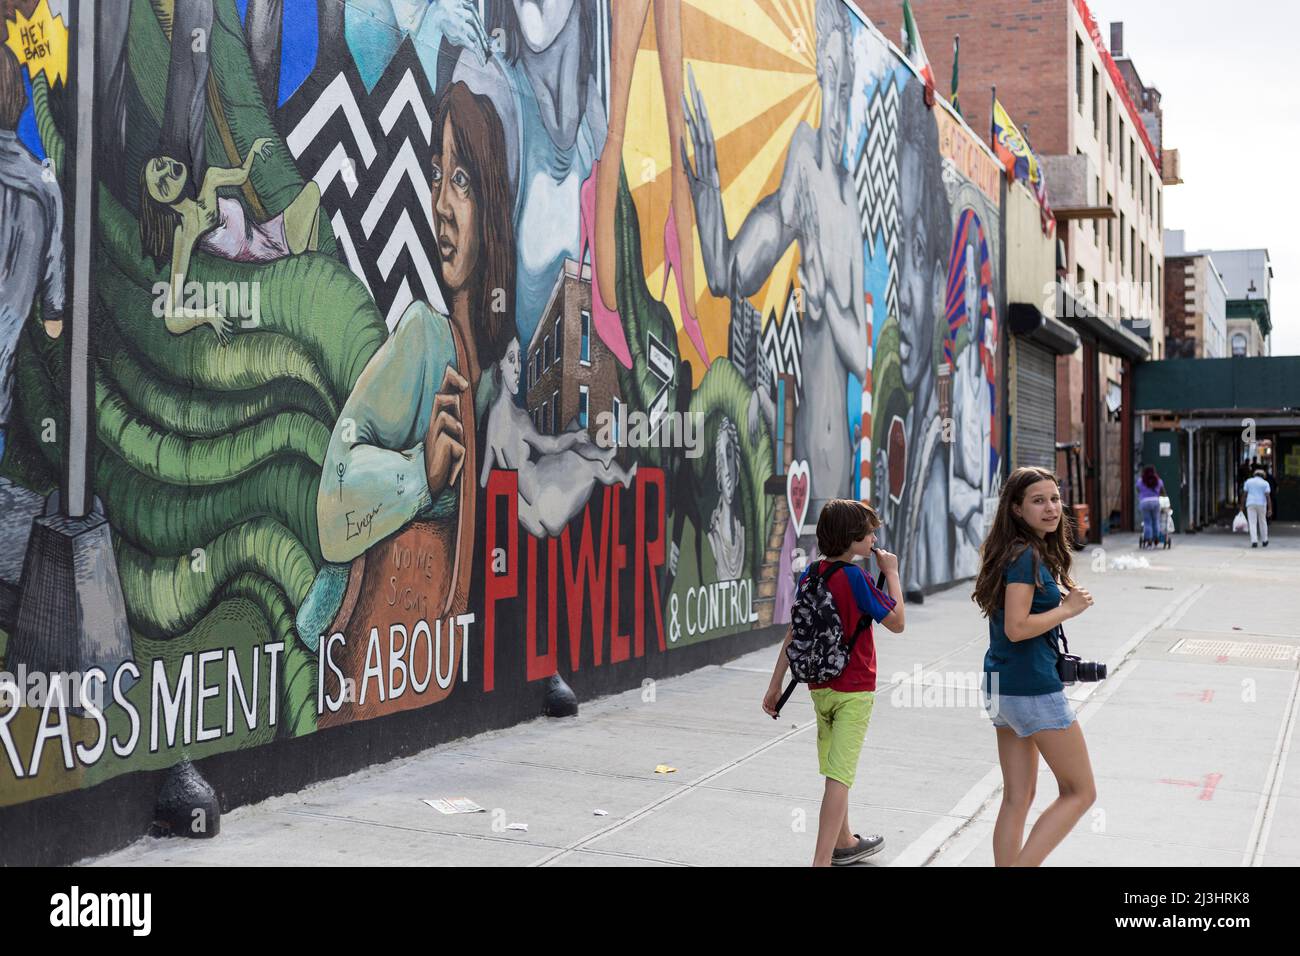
41, 42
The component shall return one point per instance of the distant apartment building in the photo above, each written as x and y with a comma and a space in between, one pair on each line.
1247, 276
1105, 180
1196, 304
570, 375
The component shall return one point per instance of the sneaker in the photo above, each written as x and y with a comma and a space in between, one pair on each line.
1254, 544
1266, 544
865, 847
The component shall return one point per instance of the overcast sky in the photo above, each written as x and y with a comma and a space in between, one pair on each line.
1227, 75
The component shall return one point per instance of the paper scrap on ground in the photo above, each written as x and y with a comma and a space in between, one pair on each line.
455, 805
664, 768
601, 813
517, 826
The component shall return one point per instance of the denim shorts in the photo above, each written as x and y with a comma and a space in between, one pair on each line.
1029, 715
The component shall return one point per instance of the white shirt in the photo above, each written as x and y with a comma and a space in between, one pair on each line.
1256, 488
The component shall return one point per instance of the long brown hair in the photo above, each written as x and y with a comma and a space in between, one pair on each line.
1009, 537
480, 142
158, 222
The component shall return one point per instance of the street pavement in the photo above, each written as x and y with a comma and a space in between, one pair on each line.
1190, 738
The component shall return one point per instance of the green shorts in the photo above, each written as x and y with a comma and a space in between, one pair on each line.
842, 720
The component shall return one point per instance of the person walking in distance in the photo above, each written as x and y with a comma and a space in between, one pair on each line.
1024, 562
1150, 488
1257, 502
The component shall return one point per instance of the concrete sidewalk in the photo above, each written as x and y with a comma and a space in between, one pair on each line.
1190, 738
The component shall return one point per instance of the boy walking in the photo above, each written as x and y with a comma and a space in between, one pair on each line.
846, 530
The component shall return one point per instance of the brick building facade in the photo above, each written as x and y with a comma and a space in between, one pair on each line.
570, 376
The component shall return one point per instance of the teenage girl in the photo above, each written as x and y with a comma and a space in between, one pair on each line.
1024, 563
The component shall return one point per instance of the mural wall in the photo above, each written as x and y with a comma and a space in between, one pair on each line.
441, 346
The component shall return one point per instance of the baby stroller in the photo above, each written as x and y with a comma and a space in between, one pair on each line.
1165, 524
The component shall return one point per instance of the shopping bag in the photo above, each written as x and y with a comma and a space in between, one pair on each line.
1239, 522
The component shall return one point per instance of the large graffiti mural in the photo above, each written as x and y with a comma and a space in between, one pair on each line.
442, 346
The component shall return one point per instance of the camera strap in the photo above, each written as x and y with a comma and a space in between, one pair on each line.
1060, 632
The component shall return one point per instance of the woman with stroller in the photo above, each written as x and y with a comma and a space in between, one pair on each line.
1150, 489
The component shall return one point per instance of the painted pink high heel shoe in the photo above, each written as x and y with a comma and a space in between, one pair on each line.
673, 258
606, 321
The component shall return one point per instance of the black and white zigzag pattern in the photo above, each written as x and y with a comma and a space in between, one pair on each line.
369, 153
783, 344
876, 182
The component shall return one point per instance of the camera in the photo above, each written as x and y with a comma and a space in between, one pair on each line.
1071, 668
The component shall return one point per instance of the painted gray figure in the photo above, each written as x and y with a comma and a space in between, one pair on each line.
924, 543
815, 206
969, 482
31, 234
557, 473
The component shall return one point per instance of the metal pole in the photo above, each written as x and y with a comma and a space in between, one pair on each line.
76, 494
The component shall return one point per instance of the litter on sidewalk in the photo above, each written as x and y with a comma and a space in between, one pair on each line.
664, 768
454, 805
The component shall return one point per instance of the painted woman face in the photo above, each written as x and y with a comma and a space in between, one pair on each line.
726, 465
455, 213
166, 179
510, 368
541, 21
916, 282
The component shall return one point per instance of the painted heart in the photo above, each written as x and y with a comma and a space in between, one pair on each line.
797, 488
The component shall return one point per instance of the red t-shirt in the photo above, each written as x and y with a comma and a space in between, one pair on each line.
855, 594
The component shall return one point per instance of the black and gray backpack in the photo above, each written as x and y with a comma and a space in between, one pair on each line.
818, 650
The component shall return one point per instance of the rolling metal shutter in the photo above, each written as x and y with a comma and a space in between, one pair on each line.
1035, 406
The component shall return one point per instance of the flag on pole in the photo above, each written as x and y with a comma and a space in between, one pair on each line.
956, 48
914, 50
1020, 161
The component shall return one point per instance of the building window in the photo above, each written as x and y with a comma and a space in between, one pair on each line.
546, 418
584, 355
555, 417
1110, 229
582, 405
1096, 223
1123, 253
559, 341
1132, 250
614, 409
1096, 295
1238, 343
548, 352
1096, 113
1132, 168
1079, 283
1121, 149
1110, 118
1078, 71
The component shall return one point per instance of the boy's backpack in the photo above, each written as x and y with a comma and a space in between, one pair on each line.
818, 650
